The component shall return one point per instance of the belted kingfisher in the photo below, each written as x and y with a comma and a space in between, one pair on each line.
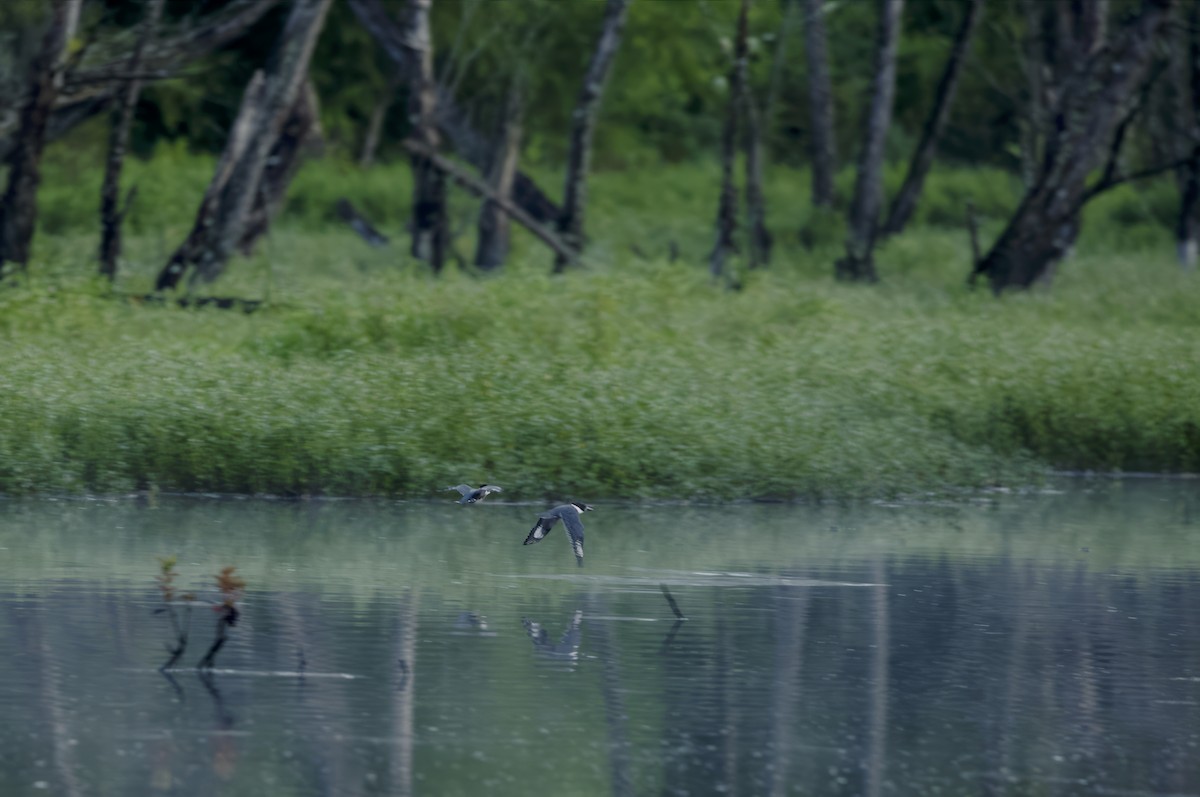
569, 515
471, 495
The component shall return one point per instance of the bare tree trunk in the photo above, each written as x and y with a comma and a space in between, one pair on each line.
905, 201
301, 133
1093, 108
18, 208
370, 145
820, 104
790, 14
583, 128
726, 242
193, 247
858, 263
270, 99
1032, 126
1185, 66
493, 221
430, 226
756, 210
111, 216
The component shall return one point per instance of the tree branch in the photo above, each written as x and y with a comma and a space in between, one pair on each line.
1112, 181
1114, 150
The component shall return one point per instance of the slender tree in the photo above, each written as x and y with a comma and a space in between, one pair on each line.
18, 207
268, 102
383, 104
430, 224
820, 104
111, 216
493, 221
727, 210
756, 203
1185, 68
905, 201
583, 127
1091, 110
791, 15
858, 264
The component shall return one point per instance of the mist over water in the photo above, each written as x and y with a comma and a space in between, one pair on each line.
1044, 643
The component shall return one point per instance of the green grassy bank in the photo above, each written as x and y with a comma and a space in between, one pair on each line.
633, 377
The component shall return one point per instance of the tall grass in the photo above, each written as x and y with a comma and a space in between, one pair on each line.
633, 377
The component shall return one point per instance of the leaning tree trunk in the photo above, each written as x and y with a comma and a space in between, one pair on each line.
225, 214
726, 243
430, 224
905, 201
1092, 110
18, 208
858, 264
301, 133
111, 216
1185, 63
583, 128
820, 104
493, 221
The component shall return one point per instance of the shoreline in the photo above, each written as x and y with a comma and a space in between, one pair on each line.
919, 497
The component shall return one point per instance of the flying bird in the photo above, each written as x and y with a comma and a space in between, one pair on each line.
472, 495
569, 515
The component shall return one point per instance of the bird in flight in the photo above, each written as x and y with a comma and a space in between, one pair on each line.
472, 495
569, 515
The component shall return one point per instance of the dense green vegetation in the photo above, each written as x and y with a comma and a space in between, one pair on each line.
632, 377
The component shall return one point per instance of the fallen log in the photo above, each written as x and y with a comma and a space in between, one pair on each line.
350, 214
219, 302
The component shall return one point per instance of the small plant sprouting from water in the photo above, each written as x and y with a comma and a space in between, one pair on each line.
171, 598
232, 587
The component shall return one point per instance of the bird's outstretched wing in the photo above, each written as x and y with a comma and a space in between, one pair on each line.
491, 488
463, 489
574, 528
541, 529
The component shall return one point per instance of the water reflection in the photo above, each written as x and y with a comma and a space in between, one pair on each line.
566, 648
914, 651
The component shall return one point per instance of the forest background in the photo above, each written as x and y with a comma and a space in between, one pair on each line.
666, 348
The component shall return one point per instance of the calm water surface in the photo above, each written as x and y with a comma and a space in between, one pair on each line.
1016, 644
